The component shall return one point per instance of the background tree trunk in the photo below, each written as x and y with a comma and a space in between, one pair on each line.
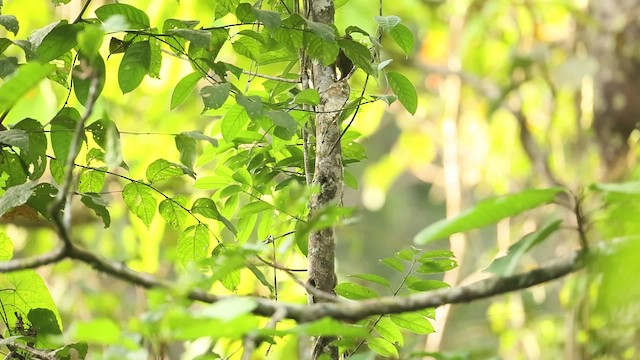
614, 44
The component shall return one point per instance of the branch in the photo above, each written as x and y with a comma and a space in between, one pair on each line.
352, 311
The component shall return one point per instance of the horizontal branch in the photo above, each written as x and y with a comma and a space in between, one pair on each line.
352, 311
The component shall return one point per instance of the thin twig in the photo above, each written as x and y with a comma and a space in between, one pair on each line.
82, 11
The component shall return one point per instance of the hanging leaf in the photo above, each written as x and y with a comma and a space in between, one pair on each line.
10, 23
383, 348
99, 207
233, 121
193, 244
139, 199
173, 211
487, 212
60, 40
405, 91
354, 291
215, 96
134, 66
162, 169
413, 322
184, 88
16, 196
403, 37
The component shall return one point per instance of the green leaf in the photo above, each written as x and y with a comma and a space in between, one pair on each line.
308, 97
44, 321
283, 120
387, 22
403, 37
162, 169
254, 208
193, 244
206, 207
436, 266
82, 84
245, 227
372, 278
413, 322
427, 285
139, 199
353, 291
198, 135
134, 66
97, 331
215, 96
405, 91
6, 247
184, 88
252, 104
630, 188
136, 18
60, 40
270, 19
17, 138
383, 348
200, 38
16, 196
487, 212
324, 31
186, 145
228, 309
22, 291
358, 53
173, 212
390, 331
506, 265
10, 23
89, 40
22, 81
327, 327
62, 129
318, 49
393, 263
233, 121
99, 207
91, 181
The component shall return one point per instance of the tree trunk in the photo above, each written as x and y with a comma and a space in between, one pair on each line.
328, 172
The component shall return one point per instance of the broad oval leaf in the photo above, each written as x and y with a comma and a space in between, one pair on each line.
403, 37
193, 244
233, 121
16, 196
134, 66
173, 211
60, 40
215, 96
487, 212
405, 91
136, 18
383, 347
162, 169
413, 322
390, 331
139, 199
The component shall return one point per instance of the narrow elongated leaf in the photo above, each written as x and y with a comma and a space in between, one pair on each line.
353, 291
405, 91
184, 88
372, 278
631, 188
487, 212
139, 199
136, 18
413, 322
24, 79
254, 208
134, 66
186, 145
506, 265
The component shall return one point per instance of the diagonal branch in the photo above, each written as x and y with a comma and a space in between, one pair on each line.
352, 311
